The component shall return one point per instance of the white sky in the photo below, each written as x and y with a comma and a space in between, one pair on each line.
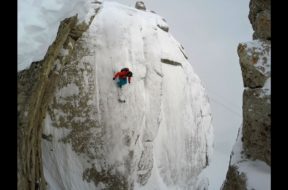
210, 32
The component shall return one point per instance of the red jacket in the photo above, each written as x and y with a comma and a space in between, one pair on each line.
122, 75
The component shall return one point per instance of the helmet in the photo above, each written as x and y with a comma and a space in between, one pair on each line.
124, 69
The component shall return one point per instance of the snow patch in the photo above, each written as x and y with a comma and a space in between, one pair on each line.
70, 90
260, 51
266, 88
258, 173
64, 52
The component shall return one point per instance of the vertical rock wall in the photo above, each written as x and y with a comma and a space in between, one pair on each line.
254, 139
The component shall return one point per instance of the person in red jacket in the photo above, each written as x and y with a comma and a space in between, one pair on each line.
122, 77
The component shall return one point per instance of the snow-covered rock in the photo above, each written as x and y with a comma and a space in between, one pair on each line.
245, 173
255, 62
161, 138
256, 99
250, 160
251, 170
35, 89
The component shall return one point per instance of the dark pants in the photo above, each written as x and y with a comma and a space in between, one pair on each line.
121, 82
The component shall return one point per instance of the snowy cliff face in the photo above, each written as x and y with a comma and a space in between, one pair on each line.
251, 156
160, 138
36, 87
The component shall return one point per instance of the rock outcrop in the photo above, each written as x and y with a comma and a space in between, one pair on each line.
36, 87
140, 5
254, 139
260, 18
255, 65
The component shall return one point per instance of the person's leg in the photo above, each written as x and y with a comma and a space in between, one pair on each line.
122, 82
119, 83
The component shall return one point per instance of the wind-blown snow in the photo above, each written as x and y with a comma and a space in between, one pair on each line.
38, 23
161, 138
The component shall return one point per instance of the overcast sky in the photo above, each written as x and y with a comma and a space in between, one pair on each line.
210, 32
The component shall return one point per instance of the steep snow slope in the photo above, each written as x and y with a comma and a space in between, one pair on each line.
161, 138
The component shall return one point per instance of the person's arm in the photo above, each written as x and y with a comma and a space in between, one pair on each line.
116, 75
129, 78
